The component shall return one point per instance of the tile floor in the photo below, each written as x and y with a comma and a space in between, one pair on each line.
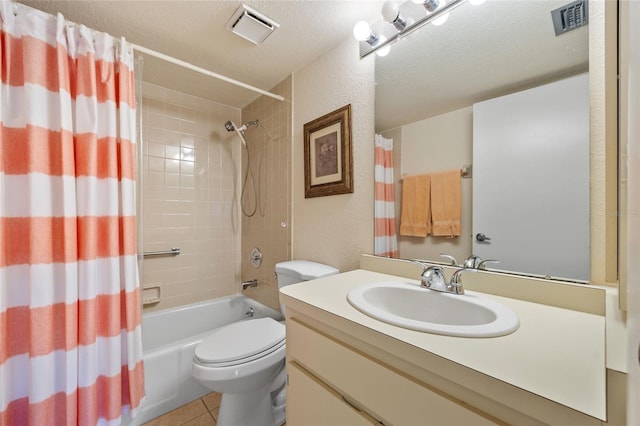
201, 412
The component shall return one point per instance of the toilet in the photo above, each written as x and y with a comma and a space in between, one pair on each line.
245, 360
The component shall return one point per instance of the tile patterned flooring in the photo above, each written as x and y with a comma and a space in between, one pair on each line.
201, 412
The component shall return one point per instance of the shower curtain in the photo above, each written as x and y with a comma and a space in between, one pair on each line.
386, 243
70, 334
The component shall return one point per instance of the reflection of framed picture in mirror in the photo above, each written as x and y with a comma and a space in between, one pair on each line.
328, 165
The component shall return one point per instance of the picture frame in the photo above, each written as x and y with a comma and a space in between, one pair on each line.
328, 161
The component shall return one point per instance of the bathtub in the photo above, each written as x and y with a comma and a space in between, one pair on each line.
169, 340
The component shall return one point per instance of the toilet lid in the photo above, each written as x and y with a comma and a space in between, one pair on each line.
240, 340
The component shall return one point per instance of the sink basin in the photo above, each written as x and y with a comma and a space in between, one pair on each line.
411, 306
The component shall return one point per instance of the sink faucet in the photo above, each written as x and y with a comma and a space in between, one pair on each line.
432, 277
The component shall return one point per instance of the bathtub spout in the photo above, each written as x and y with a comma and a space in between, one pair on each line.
250, 283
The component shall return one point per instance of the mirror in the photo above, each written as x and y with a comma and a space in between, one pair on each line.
434, 76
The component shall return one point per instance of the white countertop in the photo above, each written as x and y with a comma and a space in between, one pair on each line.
556, 353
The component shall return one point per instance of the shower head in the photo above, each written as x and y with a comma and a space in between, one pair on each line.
230, 126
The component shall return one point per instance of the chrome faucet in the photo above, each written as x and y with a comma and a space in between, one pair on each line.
432, 277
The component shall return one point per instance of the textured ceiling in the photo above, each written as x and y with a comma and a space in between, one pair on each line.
479, 53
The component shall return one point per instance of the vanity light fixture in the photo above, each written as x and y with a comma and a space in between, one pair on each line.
405, 18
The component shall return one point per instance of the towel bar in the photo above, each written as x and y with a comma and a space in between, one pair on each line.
466, 171
173, 252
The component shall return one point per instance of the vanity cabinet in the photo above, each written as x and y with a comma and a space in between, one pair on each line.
550, 371
331, 383
311, 402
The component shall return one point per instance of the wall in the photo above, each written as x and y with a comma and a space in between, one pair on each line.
335, 229
630, 133
603, 140
188, 179
270, 157
437, 144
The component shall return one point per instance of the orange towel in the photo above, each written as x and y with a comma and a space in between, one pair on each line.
415, 218
446, 203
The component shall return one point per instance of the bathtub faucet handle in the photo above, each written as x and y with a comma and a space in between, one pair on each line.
249, 312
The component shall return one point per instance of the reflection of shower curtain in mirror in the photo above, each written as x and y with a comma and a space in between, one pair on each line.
70, 334
386, 243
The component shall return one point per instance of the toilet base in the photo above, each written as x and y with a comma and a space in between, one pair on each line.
278, 401
234, 409
256, 398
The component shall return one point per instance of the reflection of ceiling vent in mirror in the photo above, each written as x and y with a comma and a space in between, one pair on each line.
571, 16
250, 24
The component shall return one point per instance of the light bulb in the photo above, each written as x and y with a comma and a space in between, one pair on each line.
391, 14
383, 51
362, 31
390, 11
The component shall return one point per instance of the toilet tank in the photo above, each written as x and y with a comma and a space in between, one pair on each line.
295, 271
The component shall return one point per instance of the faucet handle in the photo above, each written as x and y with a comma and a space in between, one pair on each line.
482, 264
421, 263
455, 284
453, 260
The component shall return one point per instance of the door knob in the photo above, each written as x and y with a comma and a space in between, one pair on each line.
482, 238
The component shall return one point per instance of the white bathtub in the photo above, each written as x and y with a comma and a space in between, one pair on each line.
169, 339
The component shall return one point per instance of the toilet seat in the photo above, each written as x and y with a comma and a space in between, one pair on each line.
241, 342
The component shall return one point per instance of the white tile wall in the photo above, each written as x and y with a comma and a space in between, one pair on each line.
188, 194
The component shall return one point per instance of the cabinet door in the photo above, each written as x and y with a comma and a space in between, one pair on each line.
391, 397
312, 403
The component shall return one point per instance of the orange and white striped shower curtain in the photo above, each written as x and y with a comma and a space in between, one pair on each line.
70, 333
386, 243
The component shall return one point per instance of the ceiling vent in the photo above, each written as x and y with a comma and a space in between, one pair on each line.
571, 16
251, 25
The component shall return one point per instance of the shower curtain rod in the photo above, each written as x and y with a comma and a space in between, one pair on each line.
203, 71
179, 62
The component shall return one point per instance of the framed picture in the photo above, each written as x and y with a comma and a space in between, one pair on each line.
328, 165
